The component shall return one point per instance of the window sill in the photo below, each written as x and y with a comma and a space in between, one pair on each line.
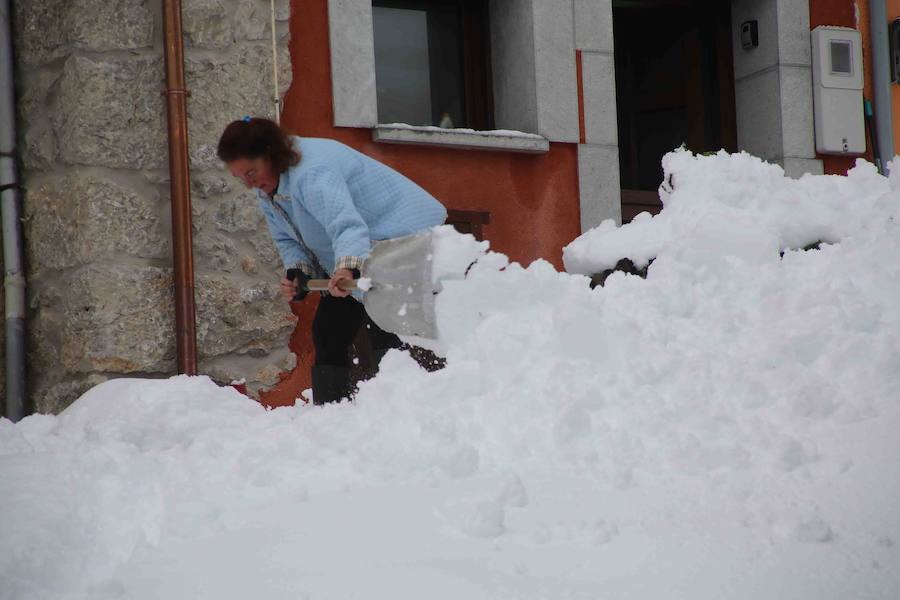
462, 139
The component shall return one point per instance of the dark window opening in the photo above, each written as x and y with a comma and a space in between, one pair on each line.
432, 62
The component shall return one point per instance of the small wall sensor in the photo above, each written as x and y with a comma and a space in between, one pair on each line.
749, 35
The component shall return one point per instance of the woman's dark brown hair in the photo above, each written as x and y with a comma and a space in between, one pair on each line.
255, 138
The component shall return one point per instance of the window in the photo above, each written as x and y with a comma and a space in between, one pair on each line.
432, 62
529, 42
841, 51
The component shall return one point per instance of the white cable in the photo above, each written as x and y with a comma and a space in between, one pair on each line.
275, 98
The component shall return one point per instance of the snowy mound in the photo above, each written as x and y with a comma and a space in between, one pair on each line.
737, 205
725, 428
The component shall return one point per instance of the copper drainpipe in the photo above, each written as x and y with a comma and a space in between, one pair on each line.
179, 175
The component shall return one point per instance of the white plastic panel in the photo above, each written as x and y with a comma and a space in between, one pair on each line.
837, 90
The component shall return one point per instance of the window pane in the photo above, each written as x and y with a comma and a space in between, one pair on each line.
840, 57
445, 41
402, 70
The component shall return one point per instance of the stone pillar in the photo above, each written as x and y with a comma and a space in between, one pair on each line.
598, 153
773, 84
97, 207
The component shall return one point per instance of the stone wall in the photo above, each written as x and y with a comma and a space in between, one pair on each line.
92, 125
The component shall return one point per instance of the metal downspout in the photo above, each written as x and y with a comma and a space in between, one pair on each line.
881, 81
179, 175
14, 275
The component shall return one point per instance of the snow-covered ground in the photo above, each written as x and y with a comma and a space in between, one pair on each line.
728, 427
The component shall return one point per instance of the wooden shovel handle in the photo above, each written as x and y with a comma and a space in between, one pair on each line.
321, 285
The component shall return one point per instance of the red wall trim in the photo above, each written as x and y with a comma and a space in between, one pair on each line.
579, 72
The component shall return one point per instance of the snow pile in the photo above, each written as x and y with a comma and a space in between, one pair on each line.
726, 428
736, 205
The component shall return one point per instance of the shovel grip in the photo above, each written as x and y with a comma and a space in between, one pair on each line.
306, 285
321, 285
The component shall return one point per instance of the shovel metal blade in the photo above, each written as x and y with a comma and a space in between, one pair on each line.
402, 296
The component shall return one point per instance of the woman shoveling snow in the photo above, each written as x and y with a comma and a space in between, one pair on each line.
325, 204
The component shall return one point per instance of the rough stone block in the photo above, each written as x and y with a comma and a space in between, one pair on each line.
207, 24
219, 24
211, 185
102, 26
256, 373
265, 253
44, 327
253, 19
47, 30
233, 317
215, 252
55, 398
237, 214
41, 31
35, 107
118, 320
86, 217
224, 88
111, 112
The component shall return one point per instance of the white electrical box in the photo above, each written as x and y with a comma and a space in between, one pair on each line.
837, 90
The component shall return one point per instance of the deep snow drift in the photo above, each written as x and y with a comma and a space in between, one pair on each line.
727, 428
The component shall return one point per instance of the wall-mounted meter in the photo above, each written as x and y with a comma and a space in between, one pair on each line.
837, 90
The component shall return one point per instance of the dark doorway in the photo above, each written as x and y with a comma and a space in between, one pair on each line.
674, 86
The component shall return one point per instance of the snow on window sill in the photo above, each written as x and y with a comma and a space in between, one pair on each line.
464, 139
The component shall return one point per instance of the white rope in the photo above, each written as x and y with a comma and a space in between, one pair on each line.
275, 97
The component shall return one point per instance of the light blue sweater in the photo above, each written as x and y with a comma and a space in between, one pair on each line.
340, 201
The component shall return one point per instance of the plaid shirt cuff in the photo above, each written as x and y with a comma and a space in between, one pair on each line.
349, 262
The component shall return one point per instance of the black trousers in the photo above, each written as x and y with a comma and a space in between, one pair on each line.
336, 324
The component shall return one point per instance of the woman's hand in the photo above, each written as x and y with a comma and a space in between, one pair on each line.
339, 275
288, 288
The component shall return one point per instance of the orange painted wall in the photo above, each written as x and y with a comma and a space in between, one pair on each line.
532, 199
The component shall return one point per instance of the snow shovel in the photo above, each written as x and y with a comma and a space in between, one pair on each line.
400, 297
